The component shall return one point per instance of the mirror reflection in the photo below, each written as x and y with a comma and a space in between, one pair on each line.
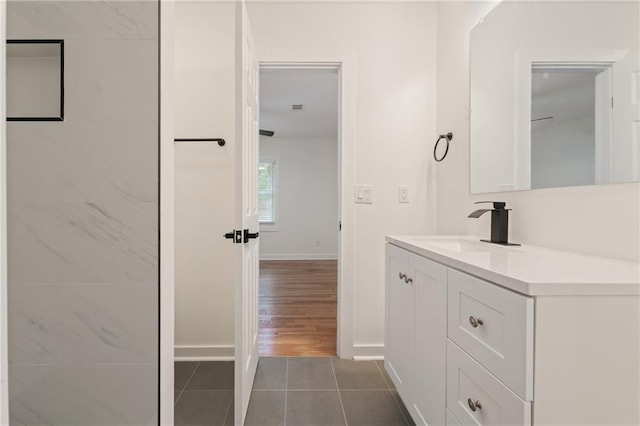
555, 96
563, 125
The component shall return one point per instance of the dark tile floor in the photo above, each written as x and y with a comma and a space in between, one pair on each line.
291, 392
203, 393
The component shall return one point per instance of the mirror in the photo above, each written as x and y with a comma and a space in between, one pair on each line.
555, 95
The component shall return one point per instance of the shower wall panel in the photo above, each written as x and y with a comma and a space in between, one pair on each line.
83, 223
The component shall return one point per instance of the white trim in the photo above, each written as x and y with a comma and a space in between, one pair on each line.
345, 63
604, 127
204, 352
299, 256
368, 358
368, 352
4, 364
167, 213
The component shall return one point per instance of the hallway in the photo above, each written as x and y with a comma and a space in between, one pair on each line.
298, 307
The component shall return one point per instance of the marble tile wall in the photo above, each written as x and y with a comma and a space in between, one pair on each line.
83, 223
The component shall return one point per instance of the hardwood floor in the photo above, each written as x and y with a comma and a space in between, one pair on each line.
298, 307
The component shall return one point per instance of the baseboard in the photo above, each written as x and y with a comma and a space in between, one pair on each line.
204, 353
368, 352
299, 256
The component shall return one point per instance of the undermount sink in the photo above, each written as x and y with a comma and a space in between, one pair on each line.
460, 245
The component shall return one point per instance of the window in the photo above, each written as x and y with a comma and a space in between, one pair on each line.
267, 200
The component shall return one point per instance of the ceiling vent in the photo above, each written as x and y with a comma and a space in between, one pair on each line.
297, 107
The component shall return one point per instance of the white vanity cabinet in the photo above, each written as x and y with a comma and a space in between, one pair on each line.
415, 349
493, 336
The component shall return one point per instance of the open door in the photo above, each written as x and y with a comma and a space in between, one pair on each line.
626, 118
246, 213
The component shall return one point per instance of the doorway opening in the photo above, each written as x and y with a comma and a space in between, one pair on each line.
299, 210
571, 123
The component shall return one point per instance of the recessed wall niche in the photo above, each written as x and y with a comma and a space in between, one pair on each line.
35, 80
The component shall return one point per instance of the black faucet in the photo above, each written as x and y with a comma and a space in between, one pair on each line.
499, 222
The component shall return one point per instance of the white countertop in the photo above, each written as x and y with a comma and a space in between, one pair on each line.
530, 270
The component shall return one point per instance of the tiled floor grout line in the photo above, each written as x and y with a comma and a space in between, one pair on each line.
224, 421
323, 390
406, 420
186, 383
390, 390
384, 378
286, 389
344, 415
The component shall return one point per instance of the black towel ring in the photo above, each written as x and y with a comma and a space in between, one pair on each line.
447, 138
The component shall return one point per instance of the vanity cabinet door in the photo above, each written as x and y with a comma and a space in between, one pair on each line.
399, 322
430, 354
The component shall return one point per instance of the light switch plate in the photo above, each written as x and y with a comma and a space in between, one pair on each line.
403, 194
363, 194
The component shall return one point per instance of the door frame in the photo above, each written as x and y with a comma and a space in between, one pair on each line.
166, 267
346, 179
4, 364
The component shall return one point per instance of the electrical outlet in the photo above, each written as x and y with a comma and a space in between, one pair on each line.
364, 194
403, 194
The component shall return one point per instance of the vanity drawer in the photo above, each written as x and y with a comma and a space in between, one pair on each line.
476, 397
495, 326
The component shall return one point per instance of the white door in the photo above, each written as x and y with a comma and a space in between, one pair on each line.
246, 308
626, 119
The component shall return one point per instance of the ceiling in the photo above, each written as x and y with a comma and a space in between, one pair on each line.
315, 89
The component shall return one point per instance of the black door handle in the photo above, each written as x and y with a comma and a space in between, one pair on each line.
234, 235
249, 236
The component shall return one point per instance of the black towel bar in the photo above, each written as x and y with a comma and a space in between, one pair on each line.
220, 141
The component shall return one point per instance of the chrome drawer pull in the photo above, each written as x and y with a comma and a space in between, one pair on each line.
474, 405
475, 322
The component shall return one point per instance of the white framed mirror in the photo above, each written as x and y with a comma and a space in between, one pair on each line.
555, 95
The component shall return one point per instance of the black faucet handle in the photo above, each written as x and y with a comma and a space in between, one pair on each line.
498, 205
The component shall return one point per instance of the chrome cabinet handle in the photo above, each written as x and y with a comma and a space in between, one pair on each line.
404, 277
474, 405
475, 322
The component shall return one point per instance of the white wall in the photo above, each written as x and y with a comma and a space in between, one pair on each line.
307, 210
392, 52
600, 220
204, 100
